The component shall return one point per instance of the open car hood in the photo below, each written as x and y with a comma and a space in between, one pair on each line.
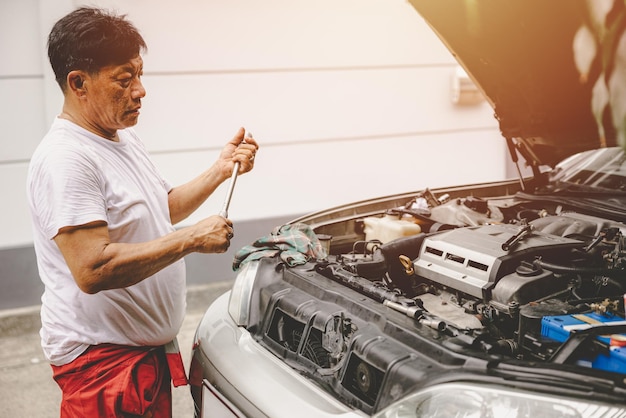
520, 53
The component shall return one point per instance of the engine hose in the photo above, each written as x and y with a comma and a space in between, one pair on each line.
557, 268
509, 347
360, 284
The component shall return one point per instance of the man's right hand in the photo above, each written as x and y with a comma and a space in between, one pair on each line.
213, 234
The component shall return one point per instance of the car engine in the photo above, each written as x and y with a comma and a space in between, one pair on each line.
418, 288
496, 274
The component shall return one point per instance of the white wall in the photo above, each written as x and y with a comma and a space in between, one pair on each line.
348, 98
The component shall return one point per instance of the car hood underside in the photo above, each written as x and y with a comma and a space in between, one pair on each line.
524, 57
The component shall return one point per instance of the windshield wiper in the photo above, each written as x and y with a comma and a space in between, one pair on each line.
552, 374
570, 189
579, 338
558, 377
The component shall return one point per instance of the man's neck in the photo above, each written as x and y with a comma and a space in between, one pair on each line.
69, 115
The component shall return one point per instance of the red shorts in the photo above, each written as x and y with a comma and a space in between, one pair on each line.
115, 381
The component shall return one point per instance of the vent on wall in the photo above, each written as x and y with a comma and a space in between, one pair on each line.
464, 91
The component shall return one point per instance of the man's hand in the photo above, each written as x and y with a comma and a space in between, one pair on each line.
185, 199
242, 149
213, 234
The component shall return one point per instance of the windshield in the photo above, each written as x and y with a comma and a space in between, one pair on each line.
602, 169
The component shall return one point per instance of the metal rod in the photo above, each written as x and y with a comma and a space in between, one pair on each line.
229, 193
233, 179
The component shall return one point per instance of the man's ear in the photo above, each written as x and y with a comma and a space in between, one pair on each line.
75, 81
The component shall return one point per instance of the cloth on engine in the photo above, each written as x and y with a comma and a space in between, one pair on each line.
295, 244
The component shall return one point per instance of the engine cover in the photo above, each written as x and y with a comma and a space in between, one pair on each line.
471, 260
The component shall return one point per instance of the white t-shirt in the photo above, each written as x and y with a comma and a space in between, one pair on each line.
74, 178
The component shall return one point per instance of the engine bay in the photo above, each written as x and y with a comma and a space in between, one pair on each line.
418, 288
507, 277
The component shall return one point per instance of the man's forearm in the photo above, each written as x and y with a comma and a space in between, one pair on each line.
98, 264
183, 200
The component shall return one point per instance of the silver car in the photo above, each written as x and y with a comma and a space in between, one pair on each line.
503, 299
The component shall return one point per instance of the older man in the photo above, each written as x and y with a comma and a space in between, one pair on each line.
108, 254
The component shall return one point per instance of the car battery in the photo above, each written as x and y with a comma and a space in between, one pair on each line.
613, 358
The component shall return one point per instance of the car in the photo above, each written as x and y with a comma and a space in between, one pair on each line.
502, 299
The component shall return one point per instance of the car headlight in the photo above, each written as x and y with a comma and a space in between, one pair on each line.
460, 400
241, 293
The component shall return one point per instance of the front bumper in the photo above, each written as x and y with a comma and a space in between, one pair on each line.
228, 363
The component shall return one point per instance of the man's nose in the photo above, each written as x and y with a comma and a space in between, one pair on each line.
138, 92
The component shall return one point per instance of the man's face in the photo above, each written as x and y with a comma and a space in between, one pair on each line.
114, 97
